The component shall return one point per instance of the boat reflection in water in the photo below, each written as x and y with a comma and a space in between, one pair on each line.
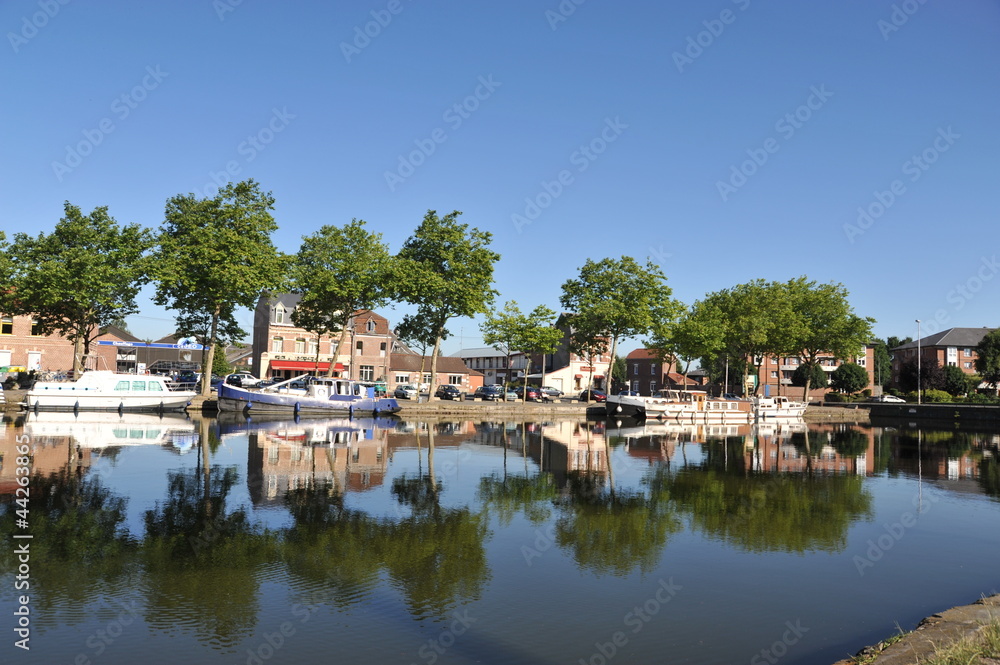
102, 429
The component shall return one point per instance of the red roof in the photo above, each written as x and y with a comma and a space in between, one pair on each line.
679, 378
642, 354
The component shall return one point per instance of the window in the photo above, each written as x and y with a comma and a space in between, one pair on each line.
7, 325
967, 365
402, 378
278, 315
455, 379
36, 328
138, 385
774, 374
370, 326
300, 345
366, 372
277, 345
122, 386
313, 347
381, 350
635, 369
427, 377
635, 386
967, 353
359, 347
652, 368
155, 385
489, 363
652, 387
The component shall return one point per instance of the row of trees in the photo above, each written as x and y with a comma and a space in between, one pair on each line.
214, 256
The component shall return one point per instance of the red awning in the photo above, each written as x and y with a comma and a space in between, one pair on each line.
305, 365
578, 376
598, 376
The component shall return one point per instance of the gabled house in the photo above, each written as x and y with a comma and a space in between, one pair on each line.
955, 347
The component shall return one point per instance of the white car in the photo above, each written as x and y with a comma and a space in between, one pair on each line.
405, 391
888, 398
243, 380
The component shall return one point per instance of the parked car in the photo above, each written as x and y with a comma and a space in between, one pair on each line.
552, 392
448, 391
489, 393
406, 391
629, 393
593, 396
534, 394
886, 398
510, 395
243, 380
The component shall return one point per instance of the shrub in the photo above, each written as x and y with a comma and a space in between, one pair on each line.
867, 392
936, 396
834, 397
910, 396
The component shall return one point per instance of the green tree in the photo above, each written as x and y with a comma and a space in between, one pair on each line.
220, 364
824, 324
619, 374
849, 378
809, 374
694, 335
214, 256
931, 375
528, 333
957, 382
338, 271
616, 298
417, 332
586, 343
755, 320
883, 364
988, 358
84, 275
448, 271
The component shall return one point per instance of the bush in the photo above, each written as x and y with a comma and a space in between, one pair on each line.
936, 397
980, 398
911, 396
867, 392
835, 397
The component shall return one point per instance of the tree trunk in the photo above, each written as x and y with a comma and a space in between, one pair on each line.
77, 356
527, 371
434, 360
208, 358
336, 350
611, 365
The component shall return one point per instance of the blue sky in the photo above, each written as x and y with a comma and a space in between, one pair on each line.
727, 140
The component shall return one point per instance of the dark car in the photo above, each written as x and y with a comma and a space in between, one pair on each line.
448, 391
593, 396
490, 393
533, 394
629, 393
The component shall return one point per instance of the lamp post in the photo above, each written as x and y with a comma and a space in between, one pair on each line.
919, 401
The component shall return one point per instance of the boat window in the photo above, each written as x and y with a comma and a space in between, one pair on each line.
122, 385
138, 385
155, 385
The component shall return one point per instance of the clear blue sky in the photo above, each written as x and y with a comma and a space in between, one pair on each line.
161, 96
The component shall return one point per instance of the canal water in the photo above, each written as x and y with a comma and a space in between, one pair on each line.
163, 540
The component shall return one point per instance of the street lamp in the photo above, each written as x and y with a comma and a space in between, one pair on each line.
918, 363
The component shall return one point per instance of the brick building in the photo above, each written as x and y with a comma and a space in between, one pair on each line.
283, 350
23, 349
955, 347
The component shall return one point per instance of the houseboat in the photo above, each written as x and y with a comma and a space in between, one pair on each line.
321, 395
777, 407
101, 390
680, 405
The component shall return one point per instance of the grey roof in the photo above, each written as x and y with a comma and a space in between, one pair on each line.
959, 337
481, 352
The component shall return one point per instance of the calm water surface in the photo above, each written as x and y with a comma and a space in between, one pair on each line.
205, 541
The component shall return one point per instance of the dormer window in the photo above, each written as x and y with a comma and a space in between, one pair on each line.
279, 314
371, 326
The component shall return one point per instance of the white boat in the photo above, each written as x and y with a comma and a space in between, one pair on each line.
777, 407
680, 405
101, 390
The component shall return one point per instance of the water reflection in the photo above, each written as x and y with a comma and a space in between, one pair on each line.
420, 513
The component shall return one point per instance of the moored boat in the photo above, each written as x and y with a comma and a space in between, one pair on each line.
681, 405
101, 390
322, 395
777, 407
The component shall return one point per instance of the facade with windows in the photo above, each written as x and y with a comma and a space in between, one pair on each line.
646, 374
283, 350
492, 363
955, 347
23, 349
410, 368
776, 373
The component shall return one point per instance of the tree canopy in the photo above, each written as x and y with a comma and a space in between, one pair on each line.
338, 271
215, 255
849, 378
617, 298
988, 358
84, 275
510, 330
446, 269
